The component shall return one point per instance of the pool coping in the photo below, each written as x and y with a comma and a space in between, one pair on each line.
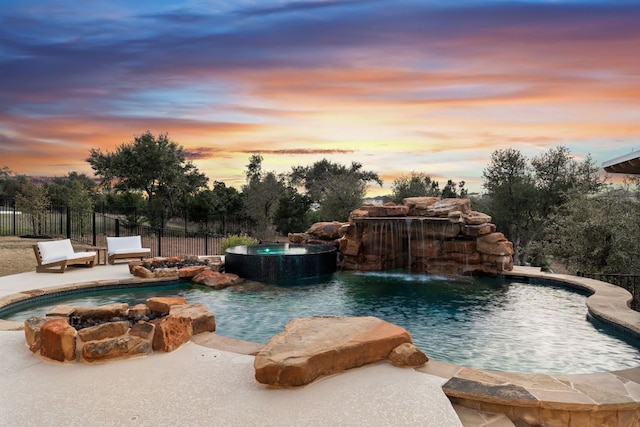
556, 399
549, 399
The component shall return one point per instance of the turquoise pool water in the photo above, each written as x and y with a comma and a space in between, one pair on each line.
506, 326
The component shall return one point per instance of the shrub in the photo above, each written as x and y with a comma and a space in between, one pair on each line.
237, 240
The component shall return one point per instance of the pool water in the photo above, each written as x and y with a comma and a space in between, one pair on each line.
482, 323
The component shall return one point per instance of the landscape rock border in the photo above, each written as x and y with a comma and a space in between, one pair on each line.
115, 331
201, 270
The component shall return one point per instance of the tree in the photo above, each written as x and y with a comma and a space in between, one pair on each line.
9, 184
81, 204
416, 185
261, 195
453, 190
599, 233
510, 188
220, 203
5, 180
337, 189
76, 192
522, 195
155, 166
129, 204
421, 185
70, 190
32, 199
292, 213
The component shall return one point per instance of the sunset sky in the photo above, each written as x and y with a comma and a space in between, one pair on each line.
431, 86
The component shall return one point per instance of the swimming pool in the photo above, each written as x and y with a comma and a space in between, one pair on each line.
484, 323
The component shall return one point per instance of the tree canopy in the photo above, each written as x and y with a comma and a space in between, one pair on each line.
77, 191
9, 184
524, 194
155, 166
421, 185
33, 199
261, 197
600, 233
337, 189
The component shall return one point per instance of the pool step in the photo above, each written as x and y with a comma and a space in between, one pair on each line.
474, 418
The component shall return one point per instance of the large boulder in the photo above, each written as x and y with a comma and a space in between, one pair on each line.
143, 330
383, 211
476, 218
115, 348
171, 332
217, 280
312, 347
494, 244
420, 203
164, 304
58, 340
103, 331
32, 328
326, 230
407, 356
442, 208
359, 213
478, 230
192, 270
138, 311
103, 312
141, 271
202, 320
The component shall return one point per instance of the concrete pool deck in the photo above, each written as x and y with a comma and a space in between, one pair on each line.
195, 385
212, 382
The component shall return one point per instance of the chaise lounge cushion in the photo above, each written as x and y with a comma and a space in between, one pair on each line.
125, 245
60, 250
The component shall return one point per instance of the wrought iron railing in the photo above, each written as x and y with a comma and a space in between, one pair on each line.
630, 282
92, 229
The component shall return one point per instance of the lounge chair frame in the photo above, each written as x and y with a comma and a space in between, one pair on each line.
126, 247
59, 266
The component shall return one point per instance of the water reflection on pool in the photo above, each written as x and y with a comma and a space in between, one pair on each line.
480, 323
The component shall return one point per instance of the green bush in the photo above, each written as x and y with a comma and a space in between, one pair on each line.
237, 240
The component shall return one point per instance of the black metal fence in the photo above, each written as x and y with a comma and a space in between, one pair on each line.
630, 282
92, 229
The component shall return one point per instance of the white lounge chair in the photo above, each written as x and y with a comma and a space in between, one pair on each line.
54, 256
126, 247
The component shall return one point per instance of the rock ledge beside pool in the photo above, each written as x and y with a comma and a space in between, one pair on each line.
203, 270
309, 348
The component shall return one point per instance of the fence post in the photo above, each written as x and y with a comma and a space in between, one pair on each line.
159, 241
15, 220
94, 229
68, 222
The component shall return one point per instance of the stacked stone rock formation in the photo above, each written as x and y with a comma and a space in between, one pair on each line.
424, 234
114, 333
204, 270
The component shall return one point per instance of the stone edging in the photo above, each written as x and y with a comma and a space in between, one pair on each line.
556, 400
